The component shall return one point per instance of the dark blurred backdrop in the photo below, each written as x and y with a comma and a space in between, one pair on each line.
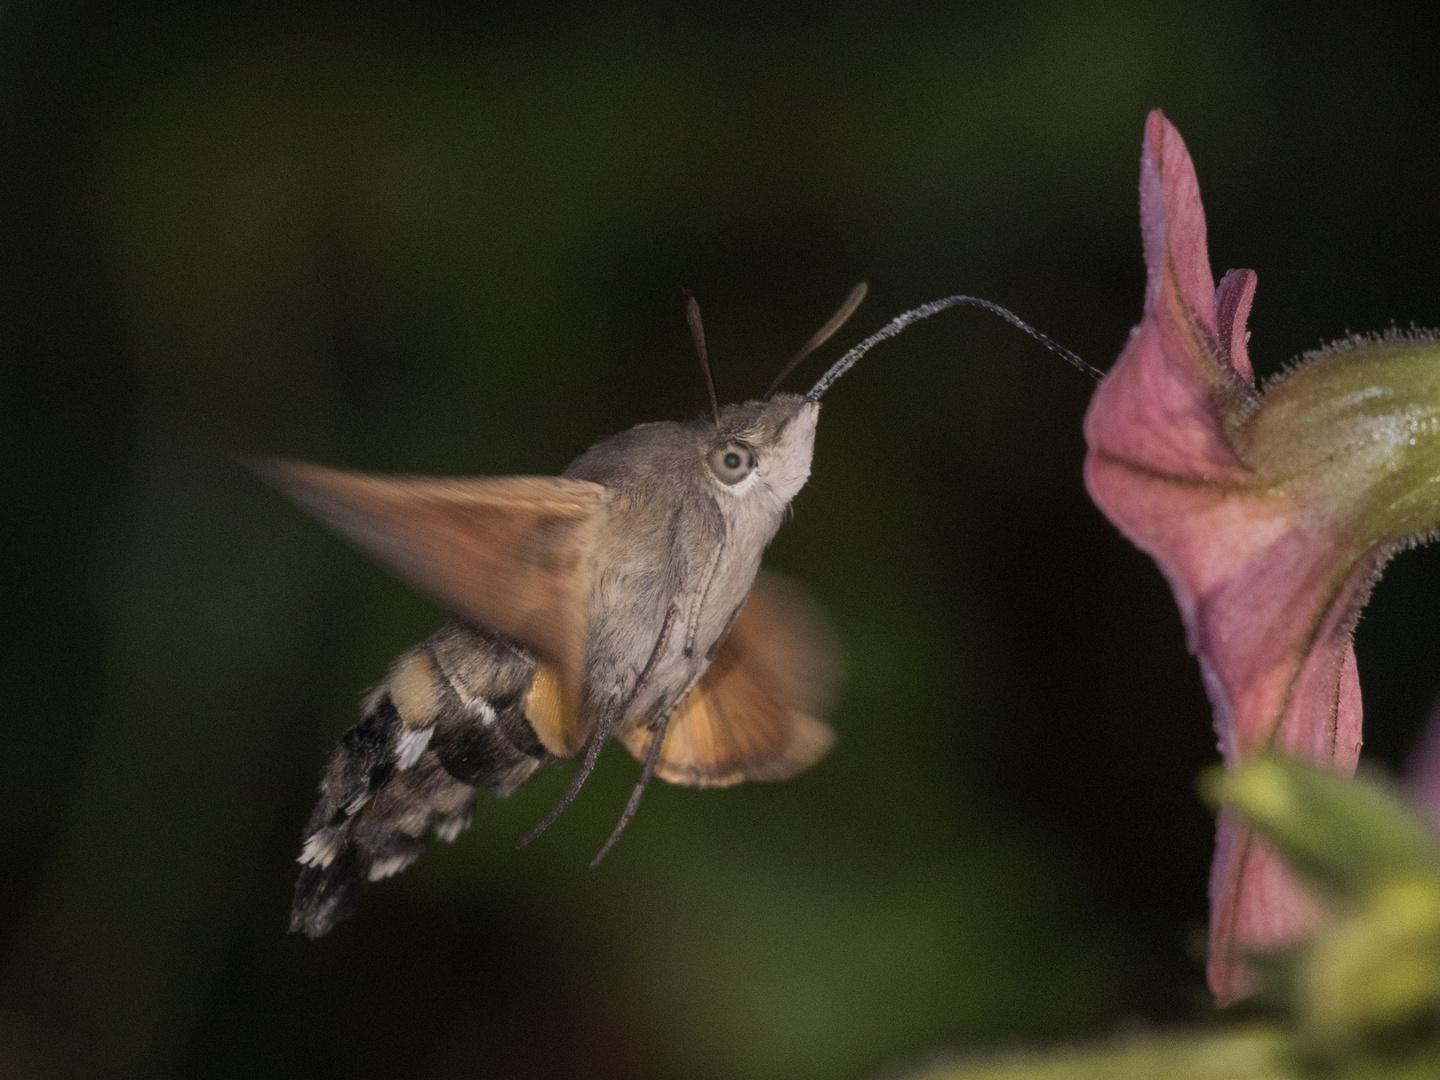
441, 238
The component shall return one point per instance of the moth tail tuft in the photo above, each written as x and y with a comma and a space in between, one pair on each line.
325, 895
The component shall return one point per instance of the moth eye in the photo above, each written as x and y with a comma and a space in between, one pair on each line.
732, 462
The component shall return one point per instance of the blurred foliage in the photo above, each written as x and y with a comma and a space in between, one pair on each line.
438, 237
1368, 985
1253, 1053
1360, 1001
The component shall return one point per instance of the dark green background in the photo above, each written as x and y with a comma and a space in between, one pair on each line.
438, 238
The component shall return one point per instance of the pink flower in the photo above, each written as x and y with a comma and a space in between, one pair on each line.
1270, 516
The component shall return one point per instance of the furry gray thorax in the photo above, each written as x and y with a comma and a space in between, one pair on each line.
675, 535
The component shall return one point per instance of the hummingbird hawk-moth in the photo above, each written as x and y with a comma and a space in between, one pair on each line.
623, 598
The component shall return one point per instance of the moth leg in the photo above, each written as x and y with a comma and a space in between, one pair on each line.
592, 756
603, 730
647, 773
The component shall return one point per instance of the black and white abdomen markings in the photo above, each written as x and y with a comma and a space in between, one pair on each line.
449, 719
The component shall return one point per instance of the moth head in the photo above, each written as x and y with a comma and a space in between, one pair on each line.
756, 454
756, 457
761, 450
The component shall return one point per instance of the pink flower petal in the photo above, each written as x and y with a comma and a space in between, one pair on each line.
1269, 912
1268, 589
1172, 221
1232, 311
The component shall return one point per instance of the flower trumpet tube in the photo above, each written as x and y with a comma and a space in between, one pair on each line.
1270, 513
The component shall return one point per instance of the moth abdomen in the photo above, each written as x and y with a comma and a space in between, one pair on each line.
449, 719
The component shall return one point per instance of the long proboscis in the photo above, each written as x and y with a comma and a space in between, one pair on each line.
924, 311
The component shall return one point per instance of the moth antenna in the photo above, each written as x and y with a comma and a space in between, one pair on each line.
697, 331
602, 732
924, 311
647, 773
824, 334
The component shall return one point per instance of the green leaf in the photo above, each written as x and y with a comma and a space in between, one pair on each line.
1343, 835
